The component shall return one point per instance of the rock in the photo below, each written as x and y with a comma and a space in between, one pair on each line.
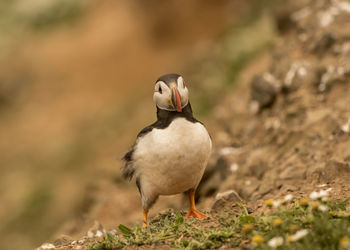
90, 234
323, 43
293, 173
210, 187
282, 15
298, 73
230, 183
265, 188
228, 195
112, 232
338, 166
264, 90
224, 199
96, 230
347, 158
257, 169
82, 240
46, 246
327, 77
256, 165
249, 188
213, 176
346, 127
327, 172
255, 196
314, 116
286, 188
62, 240
272, 123
268, 183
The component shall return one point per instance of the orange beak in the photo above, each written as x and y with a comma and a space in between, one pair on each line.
176, 100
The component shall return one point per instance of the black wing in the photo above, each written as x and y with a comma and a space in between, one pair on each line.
164, 118
128, 168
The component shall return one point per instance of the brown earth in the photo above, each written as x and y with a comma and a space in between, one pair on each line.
72, 99
283, 132
284, 129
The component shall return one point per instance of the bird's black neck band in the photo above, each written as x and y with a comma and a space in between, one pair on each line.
168, 116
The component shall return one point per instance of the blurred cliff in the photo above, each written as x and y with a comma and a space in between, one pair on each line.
76, 83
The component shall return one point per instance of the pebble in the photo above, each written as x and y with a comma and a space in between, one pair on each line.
230, 151
46, 246
113, 232
81, 241
233, 167
98, 233
90, 234
346, 127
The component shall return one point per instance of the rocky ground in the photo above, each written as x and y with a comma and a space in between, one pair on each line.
285, 128
69, 109
288, 129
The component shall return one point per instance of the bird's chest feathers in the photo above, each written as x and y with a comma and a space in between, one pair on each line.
182, 140
181, 148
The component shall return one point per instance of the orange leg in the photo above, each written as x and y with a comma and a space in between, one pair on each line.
145, 213
193, 212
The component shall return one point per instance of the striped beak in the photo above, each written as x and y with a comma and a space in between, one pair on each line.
176, 99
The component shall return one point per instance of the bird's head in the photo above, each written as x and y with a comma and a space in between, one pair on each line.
170, 93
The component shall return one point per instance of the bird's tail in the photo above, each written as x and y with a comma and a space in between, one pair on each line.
128, 170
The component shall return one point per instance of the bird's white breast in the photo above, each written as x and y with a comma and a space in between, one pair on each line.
172, 160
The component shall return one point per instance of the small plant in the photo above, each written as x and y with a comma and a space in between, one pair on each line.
292, 225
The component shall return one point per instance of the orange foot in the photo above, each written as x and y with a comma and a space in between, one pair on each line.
196, 214
145, 214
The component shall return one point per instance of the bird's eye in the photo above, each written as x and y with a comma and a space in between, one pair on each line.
160, 89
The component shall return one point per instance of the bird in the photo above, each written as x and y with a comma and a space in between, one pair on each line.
169, 156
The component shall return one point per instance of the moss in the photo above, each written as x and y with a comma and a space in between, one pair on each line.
59, 13
35, 206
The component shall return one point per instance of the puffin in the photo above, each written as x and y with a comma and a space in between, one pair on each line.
169, 156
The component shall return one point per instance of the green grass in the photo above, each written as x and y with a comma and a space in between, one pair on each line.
235, 227
59, 13
169, 228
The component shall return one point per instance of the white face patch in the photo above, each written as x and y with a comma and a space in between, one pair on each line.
183, 91
162, 95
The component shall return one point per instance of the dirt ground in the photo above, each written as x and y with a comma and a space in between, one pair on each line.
284, 129
72, 100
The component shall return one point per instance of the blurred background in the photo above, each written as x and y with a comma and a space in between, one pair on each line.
76, 85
